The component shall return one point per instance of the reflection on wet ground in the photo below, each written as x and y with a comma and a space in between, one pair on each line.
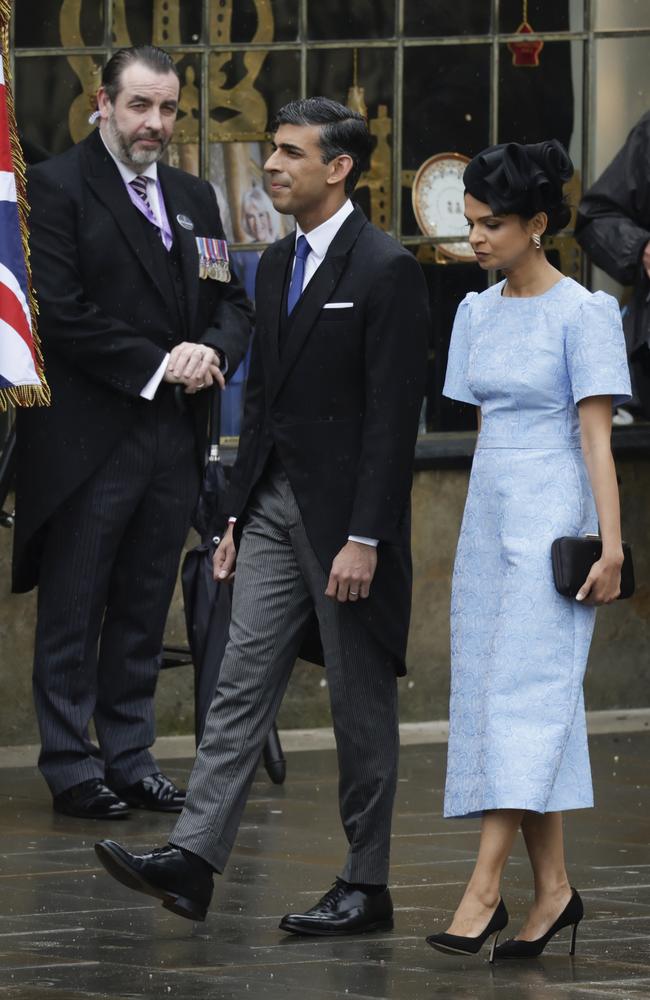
67, 931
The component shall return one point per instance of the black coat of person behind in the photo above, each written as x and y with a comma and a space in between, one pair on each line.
339, 404
613, 227
107, 321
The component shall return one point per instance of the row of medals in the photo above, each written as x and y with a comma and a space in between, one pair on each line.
218, 270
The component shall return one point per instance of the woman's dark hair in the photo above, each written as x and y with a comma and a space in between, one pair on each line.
515, 179
148, 55
343, 132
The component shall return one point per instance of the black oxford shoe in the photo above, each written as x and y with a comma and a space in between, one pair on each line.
165, 873
343, 910
156, 792
90, 800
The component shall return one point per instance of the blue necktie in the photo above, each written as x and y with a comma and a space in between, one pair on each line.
295, 288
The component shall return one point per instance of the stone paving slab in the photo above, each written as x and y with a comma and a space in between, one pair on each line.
67, 931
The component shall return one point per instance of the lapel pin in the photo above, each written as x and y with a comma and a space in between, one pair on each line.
185, 222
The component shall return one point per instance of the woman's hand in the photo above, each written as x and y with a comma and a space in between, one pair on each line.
603, 585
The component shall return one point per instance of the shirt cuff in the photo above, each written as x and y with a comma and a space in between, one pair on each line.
150, 389
364, 541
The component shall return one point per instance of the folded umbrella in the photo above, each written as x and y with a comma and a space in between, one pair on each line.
207, 601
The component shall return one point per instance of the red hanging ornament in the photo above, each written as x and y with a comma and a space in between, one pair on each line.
525, 53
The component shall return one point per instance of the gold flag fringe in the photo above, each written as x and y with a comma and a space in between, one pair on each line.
22, 395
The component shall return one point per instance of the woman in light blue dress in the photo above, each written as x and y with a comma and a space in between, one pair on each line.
543, 360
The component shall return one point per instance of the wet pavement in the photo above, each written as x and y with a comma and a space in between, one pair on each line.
67, 931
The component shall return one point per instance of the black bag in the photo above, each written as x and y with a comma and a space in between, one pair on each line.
573, 558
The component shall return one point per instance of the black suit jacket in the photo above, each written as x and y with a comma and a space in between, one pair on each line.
341, 406
106, 322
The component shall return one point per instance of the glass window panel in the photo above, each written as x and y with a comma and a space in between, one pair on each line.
446, 17
39, 23
446, 109
184, 150
561, 15
163, 22
447, 286
236, 171
257, 20
622, 95
332, 72
614, 14
246, 89
54, 97
545, 102
344, 19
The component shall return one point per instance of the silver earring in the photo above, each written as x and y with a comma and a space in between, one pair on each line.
537, 241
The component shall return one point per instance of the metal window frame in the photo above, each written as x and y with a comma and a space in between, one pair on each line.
398, 43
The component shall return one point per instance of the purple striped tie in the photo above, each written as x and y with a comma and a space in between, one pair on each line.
139, 185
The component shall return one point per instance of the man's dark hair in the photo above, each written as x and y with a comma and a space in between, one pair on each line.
147, 55
343, 132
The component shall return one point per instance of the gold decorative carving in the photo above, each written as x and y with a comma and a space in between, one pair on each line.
248, 112
85, 68
120, 29
187, 126
245, 106
356, 94
380, 176
166, 22
378, 179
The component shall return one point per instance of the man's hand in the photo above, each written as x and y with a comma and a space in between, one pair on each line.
196, 366
645, 259
352, 572
223, 562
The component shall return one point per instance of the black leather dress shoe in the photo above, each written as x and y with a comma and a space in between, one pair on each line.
156, 791
343, 910
90, 800
165, 873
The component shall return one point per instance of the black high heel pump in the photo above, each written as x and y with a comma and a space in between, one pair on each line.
571, 915
455, 944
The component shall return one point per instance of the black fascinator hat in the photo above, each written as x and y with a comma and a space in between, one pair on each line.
522, 180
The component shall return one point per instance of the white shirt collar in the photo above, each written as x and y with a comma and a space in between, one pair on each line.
319, 239
127, 173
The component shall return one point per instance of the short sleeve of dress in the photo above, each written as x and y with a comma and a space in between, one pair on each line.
456, 386
595, 351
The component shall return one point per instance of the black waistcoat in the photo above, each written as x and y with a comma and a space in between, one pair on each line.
170, 280
286, 321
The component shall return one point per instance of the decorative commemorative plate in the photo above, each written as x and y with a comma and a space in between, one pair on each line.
438, 202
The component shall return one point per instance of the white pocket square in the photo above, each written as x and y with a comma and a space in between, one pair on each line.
338, 305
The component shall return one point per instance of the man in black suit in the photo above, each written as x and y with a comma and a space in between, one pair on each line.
320, 500
109, 474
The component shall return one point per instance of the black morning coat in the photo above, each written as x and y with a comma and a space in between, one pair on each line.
341, 406
107, 319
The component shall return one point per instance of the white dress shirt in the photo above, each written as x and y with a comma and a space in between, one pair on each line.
127, 175
319, 240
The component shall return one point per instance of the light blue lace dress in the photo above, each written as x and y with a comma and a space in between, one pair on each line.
519, 650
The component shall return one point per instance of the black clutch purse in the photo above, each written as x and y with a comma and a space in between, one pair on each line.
572, 559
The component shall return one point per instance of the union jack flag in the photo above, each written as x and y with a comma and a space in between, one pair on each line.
21, 370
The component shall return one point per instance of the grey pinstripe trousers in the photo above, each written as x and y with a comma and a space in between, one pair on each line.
277, 584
